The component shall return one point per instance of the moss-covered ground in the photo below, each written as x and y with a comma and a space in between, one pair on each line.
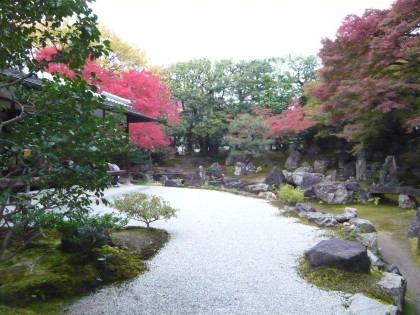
43, 278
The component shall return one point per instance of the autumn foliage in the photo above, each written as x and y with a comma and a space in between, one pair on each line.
145, 91
370, 76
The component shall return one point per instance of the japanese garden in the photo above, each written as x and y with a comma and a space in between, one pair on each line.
282, 185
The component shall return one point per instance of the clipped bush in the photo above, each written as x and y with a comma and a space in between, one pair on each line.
144, 208
289, 194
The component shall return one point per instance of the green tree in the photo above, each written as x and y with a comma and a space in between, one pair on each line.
144, 208
247, 134
53, 123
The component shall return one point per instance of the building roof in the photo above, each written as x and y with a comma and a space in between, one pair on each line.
111, 100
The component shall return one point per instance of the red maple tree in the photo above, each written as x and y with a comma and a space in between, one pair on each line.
145, 91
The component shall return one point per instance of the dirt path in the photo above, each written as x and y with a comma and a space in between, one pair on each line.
397, 253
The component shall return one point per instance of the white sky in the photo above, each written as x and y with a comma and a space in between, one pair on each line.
180, 30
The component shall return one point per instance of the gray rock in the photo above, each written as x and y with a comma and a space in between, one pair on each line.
352, 184
389, 172
414, 228
163, 179
275, 177
215, 170
304, 207
304, 168
176, 182
233, 159
368, 239
294, 158
199, 177
240, 169
288, 176
148, 176
406, 202
321, 219
361, 167
227, 182
375, 261
339, 253
250, 168
306, 180
320, 166
349, 213
362, 305
395, 285
268, 195
258, 187
333, 193
365, 226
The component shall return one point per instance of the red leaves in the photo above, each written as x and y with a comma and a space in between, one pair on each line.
145, 91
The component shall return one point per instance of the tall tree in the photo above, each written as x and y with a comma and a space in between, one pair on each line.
49, 123
370, 82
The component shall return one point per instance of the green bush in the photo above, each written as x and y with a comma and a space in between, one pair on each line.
144, 208
290, 195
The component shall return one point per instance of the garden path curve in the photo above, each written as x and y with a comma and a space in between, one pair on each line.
227, 254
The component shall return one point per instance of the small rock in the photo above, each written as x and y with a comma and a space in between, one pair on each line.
321, 219
258, 187
406, 202
362, 305
395, 285
349, 213
368, 239
173, 182
275, 177
375, 261
268, 195
365, 226
304, 207
240, 169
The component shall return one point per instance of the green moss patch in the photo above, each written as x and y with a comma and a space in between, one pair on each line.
43, 278
345, 281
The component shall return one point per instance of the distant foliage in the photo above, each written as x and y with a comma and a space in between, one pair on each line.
144, 208
290, 195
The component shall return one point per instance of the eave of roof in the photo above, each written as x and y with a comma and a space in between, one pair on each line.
111, 100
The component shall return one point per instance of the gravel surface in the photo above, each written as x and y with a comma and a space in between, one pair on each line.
227, 254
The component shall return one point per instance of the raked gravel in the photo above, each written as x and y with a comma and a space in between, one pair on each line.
227, 254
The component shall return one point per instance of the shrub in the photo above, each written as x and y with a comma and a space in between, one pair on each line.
290, 195
144, 208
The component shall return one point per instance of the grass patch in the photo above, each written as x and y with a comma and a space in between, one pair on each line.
414, 250
387, 217
345, 281
217, 188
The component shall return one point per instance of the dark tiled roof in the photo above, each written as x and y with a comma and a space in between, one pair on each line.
111, 100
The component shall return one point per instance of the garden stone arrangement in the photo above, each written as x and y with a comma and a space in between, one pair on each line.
228, 254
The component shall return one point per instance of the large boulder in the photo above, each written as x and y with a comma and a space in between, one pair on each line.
320, 166
304, 168
395, 286
389, 172
275, 177
349, 213
333, 193
250, 168
240, 169
294, 157
233, 159
306, 180
199, 177
406, 202
362, 305
215, 170
339, 253
365, 226
414, 228
321, 219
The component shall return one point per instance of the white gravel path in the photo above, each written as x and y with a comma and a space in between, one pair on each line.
227, 254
